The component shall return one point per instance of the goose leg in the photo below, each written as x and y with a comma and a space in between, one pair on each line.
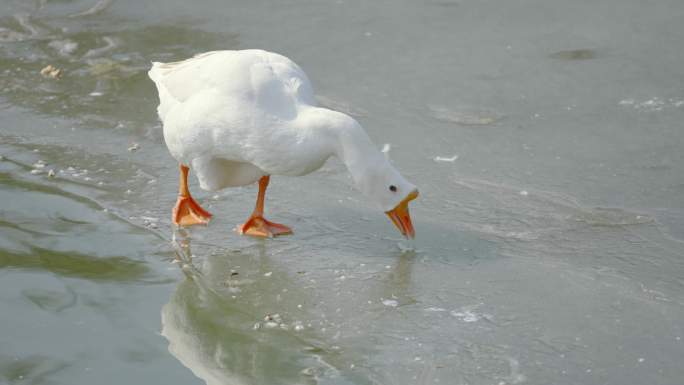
257, 225
187, 211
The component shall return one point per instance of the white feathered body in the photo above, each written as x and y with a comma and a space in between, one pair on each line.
234, 116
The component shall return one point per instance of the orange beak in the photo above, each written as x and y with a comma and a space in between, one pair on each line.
401, 218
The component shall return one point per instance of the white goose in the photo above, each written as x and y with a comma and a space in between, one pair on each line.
237, 117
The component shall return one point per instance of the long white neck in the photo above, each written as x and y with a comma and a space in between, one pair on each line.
348, 141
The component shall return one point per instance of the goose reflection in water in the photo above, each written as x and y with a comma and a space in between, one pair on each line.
214, 326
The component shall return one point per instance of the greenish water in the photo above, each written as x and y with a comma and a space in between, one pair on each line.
545, 137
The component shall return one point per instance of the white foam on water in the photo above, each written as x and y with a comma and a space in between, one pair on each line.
466, 315
654, 104
445, 159
435, 309
390, 302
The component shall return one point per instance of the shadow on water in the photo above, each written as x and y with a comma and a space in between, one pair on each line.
51, 230
9, 181
52, 300
575, 54
219, 321
34, 369
73, 264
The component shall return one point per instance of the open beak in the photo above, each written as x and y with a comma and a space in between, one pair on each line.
401, 218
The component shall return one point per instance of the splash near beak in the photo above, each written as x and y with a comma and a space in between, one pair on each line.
401, 218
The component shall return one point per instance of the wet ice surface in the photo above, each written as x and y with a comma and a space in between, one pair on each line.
545, 140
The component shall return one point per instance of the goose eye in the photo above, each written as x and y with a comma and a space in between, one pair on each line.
393, 188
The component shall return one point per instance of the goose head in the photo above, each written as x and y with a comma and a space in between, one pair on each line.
388, 189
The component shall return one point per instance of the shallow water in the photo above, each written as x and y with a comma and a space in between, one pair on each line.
545, 139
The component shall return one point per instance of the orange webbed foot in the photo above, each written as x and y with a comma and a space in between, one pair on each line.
258, 226
188, 212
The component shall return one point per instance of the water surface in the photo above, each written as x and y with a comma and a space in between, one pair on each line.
545, 139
